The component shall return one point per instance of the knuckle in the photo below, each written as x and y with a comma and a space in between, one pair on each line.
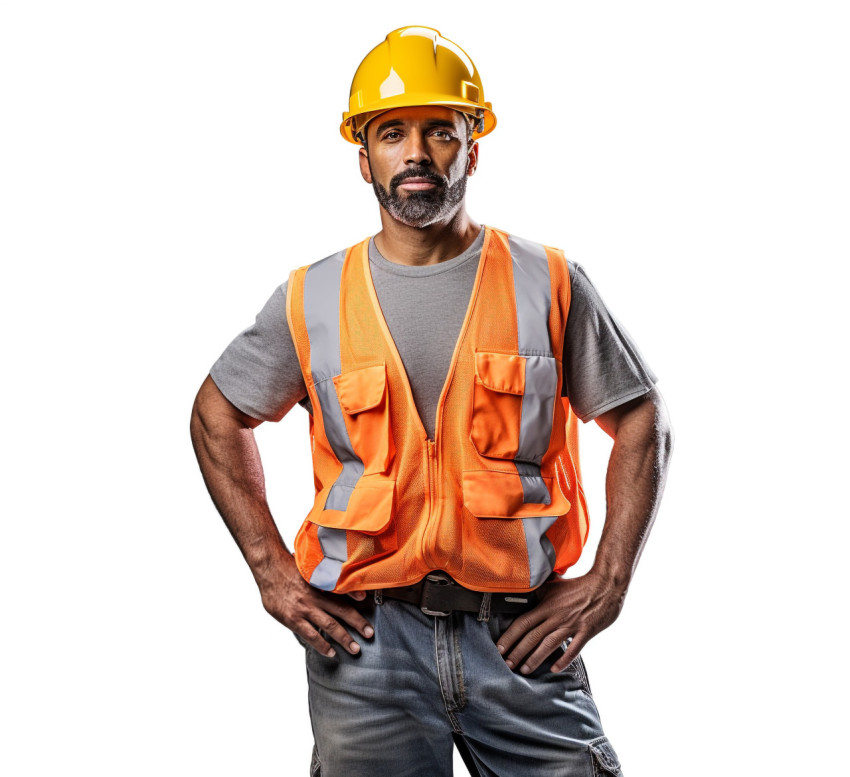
339, 634
312, 638
537, 634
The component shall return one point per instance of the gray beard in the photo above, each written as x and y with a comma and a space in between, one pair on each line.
421, 209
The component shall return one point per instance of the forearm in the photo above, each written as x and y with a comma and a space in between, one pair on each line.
232, 470
637, 472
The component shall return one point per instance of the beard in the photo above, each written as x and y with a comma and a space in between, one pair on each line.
420, 208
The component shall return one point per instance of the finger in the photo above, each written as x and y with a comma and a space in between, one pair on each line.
334, 629
548, 645
519, 627
312, 637
358, 595
352, 617
530, 642
571, 653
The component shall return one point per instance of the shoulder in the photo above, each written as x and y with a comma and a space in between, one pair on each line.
328, 268
521, 245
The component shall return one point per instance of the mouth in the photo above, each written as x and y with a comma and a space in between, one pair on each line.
417, 184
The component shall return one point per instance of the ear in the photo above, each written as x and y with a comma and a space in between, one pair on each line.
472, 159
365, 171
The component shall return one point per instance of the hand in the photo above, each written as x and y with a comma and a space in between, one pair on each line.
577, 607
305, 609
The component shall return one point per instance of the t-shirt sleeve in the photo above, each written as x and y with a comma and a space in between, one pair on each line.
603, 367
259, 371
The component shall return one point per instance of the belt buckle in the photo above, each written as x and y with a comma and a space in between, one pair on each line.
437, 580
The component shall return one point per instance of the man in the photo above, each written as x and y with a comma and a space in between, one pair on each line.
443, 365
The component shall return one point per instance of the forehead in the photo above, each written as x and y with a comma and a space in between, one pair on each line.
419, 114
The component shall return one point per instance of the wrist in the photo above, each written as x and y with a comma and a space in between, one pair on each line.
272, 566
613, 576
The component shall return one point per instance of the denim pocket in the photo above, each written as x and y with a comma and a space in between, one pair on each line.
500, 622
315, 763
604, 758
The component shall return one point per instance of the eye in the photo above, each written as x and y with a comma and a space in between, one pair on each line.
444, 133
392, 135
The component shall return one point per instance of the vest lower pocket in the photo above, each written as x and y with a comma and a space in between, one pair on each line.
333, 541
362, 395
496, 494
368, 510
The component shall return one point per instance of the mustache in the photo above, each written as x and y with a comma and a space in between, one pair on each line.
396, 180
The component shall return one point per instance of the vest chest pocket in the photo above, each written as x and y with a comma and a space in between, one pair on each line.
363, 398
497, 404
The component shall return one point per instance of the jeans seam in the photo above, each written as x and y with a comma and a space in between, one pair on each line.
585, 682
449, 711
460, 696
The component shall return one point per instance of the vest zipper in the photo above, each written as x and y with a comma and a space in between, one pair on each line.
432, 466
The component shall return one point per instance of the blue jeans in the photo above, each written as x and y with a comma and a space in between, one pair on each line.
424, 683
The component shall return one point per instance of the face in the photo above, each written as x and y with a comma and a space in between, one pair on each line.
417, 160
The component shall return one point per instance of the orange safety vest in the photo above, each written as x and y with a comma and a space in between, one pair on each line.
495, 499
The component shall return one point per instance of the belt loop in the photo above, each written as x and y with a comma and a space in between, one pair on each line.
379, 596
484, 611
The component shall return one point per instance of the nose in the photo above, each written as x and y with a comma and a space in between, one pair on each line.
415, 151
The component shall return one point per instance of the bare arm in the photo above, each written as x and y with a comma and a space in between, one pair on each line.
579, 608
224, 443
637, 472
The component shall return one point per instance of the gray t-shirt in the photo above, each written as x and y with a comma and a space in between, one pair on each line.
424, 308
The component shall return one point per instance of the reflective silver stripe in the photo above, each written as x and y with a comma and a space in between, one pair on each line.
541, 552
340, 442
533, 300
538, 402
321, 317
532, 290
335, 548
533, 487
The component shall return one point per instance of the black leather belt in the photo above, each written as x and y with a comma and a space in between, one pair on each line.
438, 594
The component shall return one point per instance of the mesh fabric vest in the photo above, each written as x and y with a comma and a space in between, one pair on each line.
495, 499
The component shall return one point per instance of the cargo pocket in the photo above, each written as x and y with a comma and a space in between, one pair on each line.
362, 395
605, 761
369, 508
495, 494
497, 403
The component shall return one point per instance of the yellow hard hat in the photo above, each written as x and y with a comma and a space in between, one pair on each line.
415, 66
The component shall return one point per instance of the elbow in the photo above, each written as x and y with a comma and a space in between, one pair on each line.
662, 427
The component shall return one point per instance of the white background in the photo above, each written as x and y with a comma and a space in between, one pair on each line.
166, 164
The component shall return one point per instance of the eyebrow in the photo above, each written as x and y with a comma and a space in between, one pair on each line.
398, 123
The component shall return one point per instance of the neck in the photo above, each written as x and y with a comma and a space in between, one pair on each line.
421, 246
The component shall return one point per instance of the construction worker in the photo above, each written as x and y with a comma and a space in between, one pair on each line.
444, 365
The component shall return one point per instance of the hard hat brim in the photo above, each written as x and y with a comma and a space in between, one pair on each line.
350, 120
